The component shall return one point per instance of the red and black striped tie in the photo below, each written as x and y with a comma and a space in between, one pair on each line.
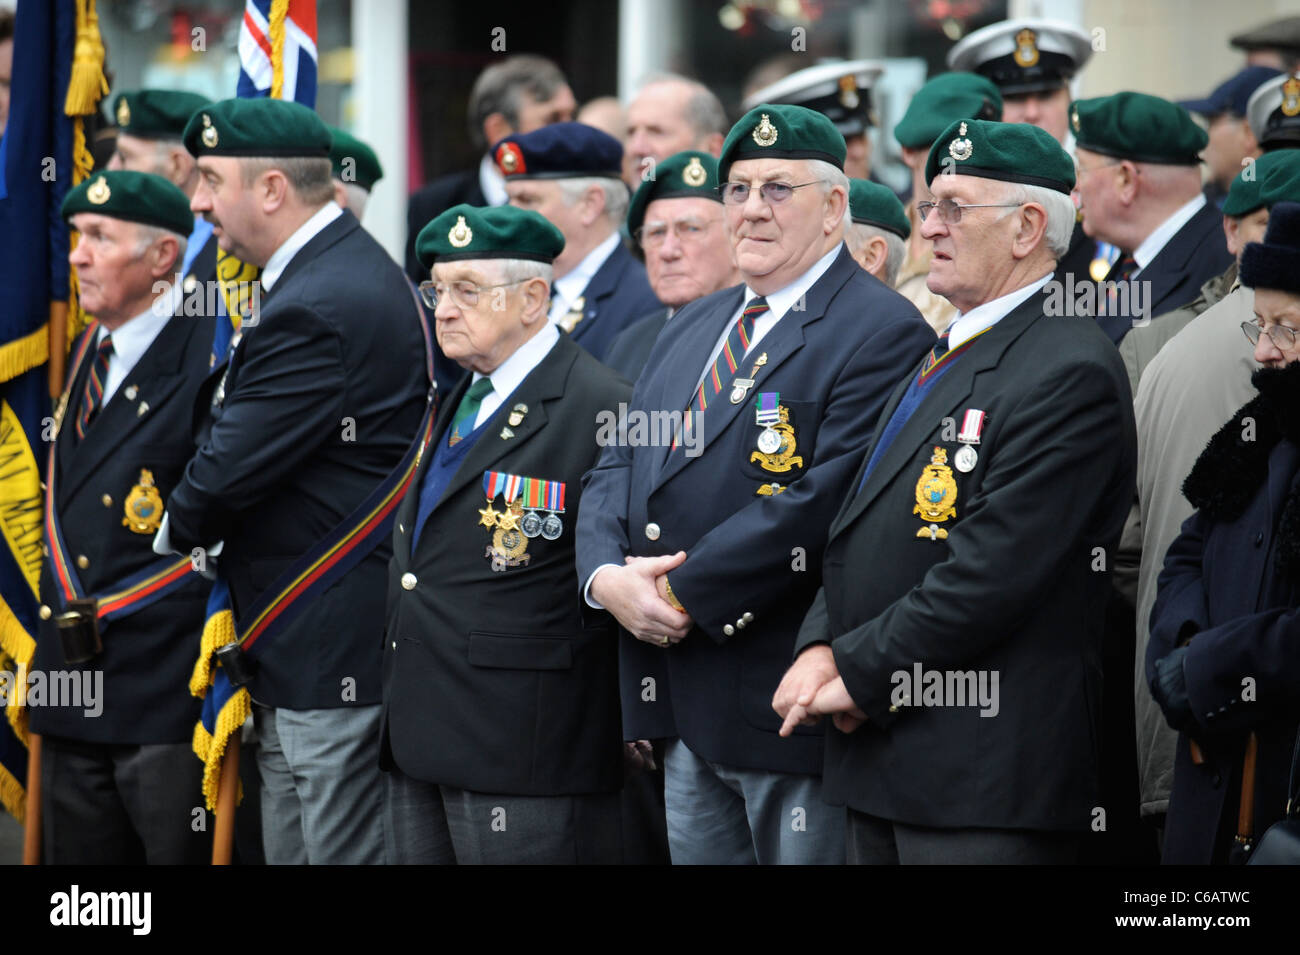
732, 354
93, 396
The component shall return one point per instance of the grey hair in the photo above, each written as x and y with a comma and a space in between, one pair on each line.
499, 87
704, 111
311, 177
521, 270
357, 196
616, 197
147, 235
832, 177
1060, 213
858, 234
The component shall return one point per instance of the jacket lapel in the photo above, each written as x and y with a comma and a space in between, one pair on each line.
601, 286
1171, 264
322, 240
948, 393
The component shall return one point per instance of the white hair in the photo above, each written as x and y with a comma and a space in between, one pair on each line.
147, 235
1060, 213
521, 270
616, 197
858, 234
831, 177
357, 196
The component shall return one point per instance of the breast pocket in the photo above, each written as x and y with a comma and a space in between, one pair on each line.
779, 451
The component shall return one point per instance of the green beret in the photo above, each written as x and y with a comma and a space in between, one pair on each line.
365, 170
1011, 152
782, 132
870, 203
133, 196
156, 114
688, 175
257, 127
1139, 127
488, 232
944, 100
1274, 177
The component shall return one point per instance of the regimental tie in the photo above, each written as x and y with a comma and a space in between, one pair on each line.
729, 358
93, 396
1122, 272
463, 422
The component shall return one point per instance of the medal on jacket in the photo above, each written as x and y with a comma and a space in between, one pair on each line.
570, 321
531, 522
509, 544
767, 414
972, 424
783, 458
144, 506
936, 496
553, 494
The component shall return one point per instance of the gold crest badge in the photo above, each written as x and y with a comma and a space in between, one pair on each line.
1026, 48
99, 193
783, 458
144, 506
961, 149
936, 496
460, 235
849, 92
694, 175
509, 543
1291, 96
209, 134
123, 113
764, 133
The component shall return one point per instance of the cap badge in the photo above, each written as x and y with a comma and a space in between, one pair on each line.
98, 192
460, 234
764, 133
1026, 49
123, 113
849, 91
1074, 118
961, 149
695, 175
1291, 96
510, 159
209, 134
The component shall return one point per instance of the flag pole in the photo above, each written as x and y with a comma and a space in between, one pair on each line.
227, 796
32, 816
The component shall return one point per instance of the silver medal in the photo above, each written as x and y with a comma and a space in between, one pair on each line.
965, 459
531, 524
551, 527
769, 442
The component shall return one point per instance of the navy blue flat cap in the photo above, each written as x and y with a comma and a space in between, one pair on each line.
1232, 95
559, 151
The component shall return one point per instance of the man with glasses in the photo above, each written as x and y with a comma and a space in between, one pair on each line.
706, 543
676, 218
570, 173
1014, 437
501, 735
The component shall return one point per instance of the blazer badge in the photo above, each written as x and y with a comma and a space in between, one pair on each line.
936, 496
144, 506
777, 444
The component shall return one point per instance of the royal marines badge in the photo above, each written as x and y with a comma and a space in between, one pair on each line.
209, 134
694, 175
123, 113
99, 193
1026, 54
144, 506
764, 133
1291, 96
460, 235
936, 496
783, 458
961, 149
849, 91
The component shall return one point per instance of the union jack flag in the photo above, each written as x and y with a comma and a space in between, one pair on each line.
255, 51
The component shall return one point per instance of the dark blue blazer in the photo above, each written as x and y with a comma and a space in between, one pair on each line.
1222, 588
629, 352
834, 364
322, 398
617, 295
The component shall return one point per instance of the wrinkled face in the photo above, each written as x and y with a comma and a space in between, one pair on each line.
773, 244
231, 207
657, 126
1096, 193
137, 155
483, 335
116, 283
686, 252
972, 257
1230, 142
544, 196
534, 114
1275, 308
1048, 111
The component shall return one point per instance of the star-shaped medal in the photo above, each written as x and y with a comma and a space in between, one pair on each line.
509, 520
487, 516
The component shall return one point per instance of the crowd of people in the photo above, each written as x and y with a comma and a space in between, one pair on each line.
739, 510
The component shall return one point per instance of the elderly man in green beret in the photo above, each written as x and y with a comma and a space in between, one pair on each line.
877, 237
119, 779
940, 102
1139, 188
501, 731
1014, 436
310, 417
355, 168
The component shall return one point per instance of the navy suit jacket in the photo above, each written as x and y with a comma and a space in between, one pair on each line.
322, 398
754, 560
629, 352
617, 295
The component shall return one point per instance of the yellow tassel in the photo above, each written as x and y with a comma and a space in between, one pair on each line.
88, 84
217, 632
23, 354
16, 650
279, 10
12, 795
229, 722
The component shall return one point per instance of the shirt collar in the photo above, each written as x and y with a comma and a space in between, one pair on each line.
571, 286
508, 375
492, 182
780, 301
197, 240
134, 336
982, 317
1158, 239
282, 256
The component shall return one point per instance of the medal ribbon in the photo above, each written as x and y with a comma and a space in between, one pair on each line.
555, 496
972, 424
513, 484
769, 411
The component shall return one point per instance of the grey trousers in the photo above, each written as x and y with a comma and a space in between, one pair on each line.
719, 815
322, 792
428, 824
875, 841
110, 804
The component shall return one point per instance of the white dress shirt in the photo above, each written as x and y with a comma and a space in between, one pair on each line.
291, 246
133, 338
1158, 239
969, 324
569, 289
492, 182
515, 369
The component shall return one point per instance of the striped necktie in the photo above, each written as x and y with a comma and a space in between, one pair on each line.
936, 354
732, 353
93, 395
462, 423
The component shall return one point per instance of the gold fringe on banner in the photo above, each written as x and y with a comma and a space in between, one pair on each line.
88, 84
279, 10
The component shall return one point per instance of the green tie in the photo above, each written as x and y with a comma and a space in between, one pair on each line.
468, 410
